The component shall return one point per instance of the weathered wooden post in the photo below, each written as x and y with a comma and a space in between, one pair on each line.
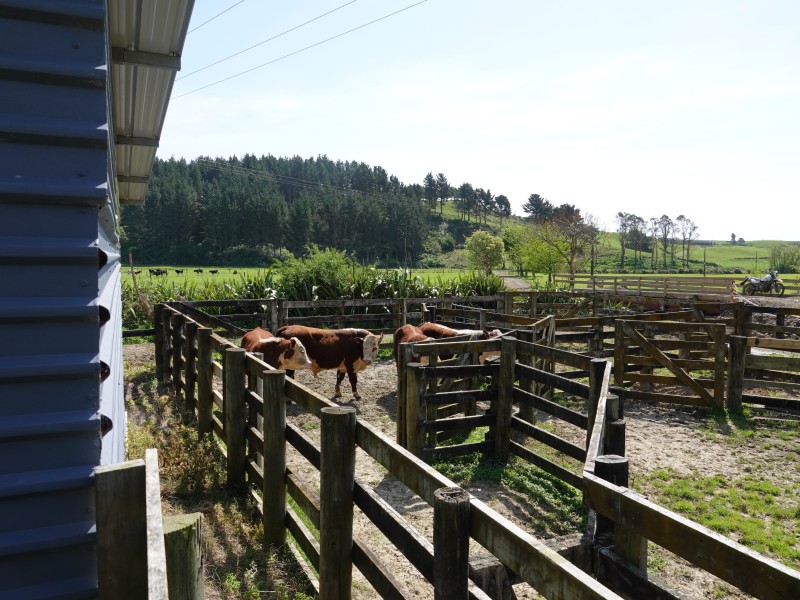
121, 518
177, 346
450, 544
190, 351
737, 355
404, 357
183, 547
627, 543
337, 475
404, 311
415, 414
158, 327
739, 319
597, 369
505, 398
274, 323
482, 319
274, 452
429, 412
534, 300
166, 338
233, 390
254, 417
614, 439
448, 301
205, 374
780, 321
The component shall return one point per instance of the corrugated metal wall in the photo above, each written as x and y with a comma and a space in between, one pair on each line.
59, 348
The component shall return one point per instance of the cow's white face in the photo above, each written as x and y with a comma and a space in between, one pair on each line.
371, 344
295, 357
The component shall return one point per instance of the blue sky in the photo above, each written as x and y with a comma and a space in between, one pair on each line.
679, 108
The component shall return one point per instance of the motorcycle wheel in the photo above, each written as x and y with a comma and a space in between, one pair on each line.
776, 289
749, 289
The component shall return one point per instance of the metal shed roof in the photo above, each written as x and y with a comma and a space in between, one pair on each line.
147, 39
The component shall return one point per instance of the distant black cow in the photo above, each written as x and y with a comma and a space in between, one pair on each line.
213, 271
179, 271
198, 271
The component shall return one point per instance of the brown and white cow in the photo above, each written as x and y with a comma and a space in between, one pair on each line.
406, 334
278, 352
346, 350
442, 332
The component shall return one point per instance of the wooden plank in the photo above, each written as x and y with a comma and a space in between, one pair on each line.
665, 362
459, 423
458, 397
579, 361
772, 362
157, 586
549, 439
562, 383
306, 498
774, 344
121, 530
442, 452
746, 569
551, 408
304, 538
657, 397
303, 444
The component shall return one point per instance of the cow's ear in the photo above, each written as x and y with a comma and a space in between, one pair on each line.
292, 342
380, 339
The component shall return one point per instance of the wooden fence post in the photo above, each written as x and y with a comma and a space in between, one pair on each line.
176, 322
158, 315
482, 319
273, 314
337, 475
190, 351
597, 368
404, 357
505, 398
627, 543
274, 452
165, 346
233, 390
255, 418
121, 531
450, 544
737, 353
614, 439
415, 413
183, 546
205, 374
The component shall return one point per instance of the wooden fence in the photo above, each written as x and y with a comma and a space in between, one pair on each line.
249, 419
253, 428
626, 521
723, 285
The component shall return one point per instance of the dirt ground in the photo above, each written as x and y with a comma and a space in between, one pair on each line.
684, 439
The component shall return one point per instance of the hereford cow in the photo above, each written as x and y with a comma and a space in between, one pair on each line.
406, 334
287, 354
346, 350
442, 332
437, 331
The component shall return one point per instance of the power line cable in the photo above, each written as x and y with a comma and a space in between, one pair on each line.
214, 17
285, 179
301, 50
264, 41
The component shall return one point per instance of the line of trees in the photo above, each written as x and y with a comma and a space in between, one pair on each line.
660, 236
256, 209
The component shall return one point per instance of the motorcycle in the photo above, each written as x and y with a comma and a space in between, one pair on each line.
770, 284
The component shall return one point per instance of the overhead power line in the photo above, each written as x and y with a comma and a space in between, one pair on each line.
214, 17
285, 179
264, 41
301, 50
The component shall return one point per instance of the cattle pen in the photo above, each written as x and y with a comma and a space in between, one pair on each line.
242, 402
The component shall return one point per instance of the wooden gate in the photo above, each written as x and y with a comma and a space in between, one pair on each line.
692, 353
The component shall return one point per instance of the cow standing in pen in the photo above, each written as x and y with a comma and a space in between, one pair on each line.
442, 332
288, 354
406, 334
346, 350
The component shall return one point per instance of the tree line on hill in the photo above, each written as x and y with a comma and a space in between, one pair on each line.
254, 210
